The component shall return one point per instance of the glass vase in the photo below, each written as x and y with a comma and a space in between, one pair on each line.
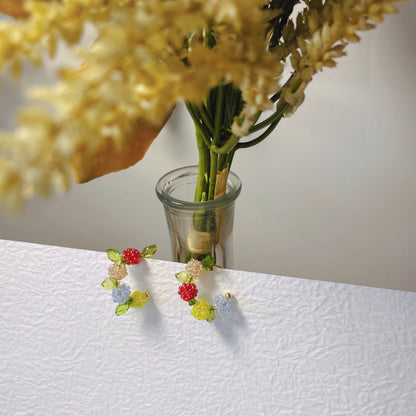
197, 229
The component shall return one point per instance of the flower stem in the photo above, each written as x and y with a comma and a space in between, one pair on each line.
213, 119
202, 180
218, 115
275, 118
212, 176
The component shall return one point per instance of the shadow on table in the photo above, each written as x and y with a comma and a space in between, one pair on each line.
233, 326
141, 279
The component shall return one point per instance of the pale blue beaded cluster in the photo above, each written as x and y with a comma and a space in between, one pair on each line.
121, 293
222, 305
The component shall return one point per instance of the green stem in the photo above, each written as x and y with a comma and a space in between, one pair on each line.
205, 135
212, 176
277, 117
263, 124
226, 147
206, 118
229, 158
218, 114
276, 96
222, 162
204, 158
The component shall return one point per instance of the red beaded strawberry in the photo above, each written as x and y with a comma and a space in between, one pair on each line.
131, 256
187, 291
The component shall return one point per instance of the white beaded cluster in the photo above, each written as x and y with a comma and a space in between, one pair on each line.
195, 268
117, 271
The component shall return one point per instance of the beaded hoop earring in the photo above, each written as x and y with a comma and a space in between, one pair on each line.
188, 291
120, 292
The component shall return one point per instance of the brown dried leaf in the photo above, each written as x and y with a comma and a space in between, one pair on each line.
111, 158
13, 8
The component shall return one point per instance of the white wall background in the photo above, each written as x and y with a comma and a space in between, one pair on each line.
330, 196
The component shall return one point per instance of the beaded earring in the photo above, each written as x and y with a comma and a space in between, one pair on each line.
121, 292
188, 291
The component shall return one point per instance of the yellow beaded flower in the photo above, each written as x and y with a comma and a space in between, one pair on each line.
138, 299
201, 310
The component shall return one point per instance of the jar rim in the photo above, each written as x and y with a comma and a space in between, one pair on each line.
164, 183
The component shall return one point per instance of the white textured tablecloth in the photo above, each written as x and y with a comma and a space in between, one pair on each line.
290, 347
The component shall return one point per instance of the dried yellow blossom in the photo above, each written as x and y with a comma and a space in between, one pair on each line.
149, 55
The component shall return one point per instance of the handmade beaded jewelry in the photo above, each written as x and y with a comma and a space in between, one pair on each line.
188, 291
120, 292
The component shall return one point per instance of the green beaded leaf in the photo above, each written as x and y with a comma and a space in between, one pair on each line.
192, 302
211, 316
183, 277
208, 262
149, 251
122, 308
110, 283
115, 255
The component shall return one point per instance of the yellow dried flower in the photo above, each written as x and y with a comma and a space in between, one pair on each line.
148, 55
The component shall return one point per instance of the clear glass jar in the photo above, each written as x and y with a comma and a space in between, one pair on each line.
198, 228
